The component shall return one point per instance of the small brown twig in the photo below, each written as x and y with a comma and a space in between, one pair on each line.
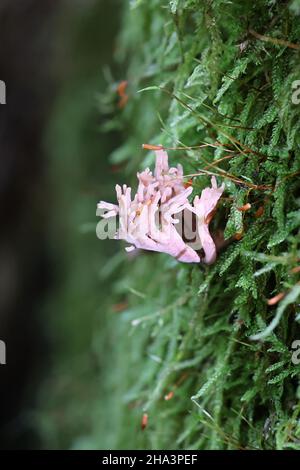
279, 42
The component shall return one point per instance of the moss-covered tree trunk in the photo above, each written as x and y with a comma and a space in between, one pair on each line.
206, 352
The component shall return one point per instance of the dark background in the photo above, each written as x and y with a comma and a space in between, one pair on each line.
51, 58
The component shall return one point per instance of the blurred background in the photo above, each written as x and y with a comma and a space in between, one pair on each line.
57, 61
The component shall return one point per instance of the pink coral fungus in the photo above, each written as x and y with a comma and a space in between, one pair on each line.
160, 217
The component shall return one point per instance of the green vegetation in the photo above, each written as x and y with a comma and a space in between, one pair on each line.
133, 329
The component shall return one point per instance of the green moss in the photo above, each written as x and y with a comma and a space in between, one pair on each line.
223, 85
190, 329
